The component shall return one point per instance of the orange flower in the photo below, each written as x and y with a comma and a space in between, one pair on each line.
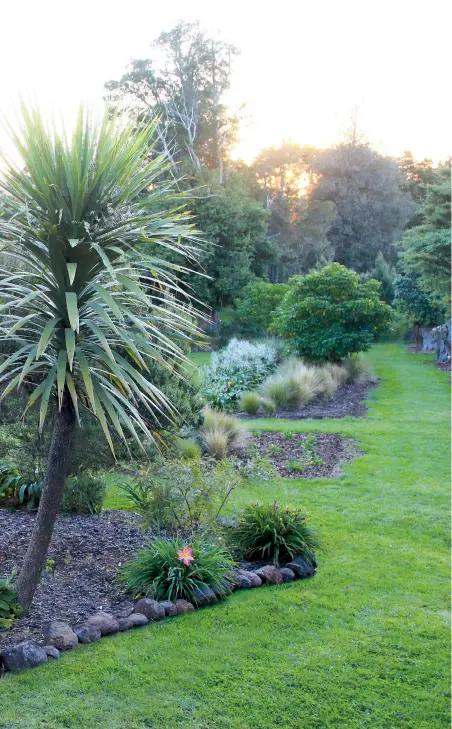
185, 555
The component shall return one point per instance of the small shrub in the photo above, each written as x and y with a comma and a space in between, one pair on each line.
9, 478
84, 494
221, 433
234, 370
30, 493
275, 388
271, 532
176, 569
176, 495
250, 403
9, 604
358, 370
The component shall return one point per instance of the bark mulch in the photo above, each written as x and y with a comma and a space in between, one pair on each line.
304, 455
348, 400
87, 552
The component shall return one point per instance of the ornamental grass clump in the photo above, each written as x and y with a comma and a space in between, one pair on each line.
358, 369
176, 569
221, 434
250, 403
272, 532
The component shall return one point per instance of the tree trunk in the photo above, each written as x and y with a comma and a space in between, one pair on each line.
56, 472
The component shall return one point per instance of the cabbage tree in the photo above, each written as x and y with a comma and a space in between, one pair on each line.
83, 312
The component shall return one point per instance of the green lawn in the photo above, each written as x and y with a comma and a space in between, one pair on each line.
364, 644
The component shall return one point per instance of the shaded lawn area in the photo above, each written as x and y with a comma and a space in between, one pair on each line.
364, 644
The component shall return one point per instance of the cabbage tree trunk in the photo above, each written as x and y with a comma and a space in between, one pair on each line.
56, 472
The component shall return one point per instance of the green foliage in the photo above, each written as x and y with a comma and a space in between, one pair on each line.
414, 303
372, 206
234, 370
84, 494
83, 294
30, 494
426, 248
308, 457
329, 314
271, 532
188, 449
159, 571
221, 434
175, 495
9, 478
358, 369
9, 605
257, 303
383, 272
250, 403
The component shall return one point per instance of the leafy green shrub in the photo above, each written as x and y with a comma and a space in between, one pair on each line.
174, 495
30, 494
221, 434
84, 494
9, 478
258, 302
329, 314
9, 604
176, 569
271, 532
250, 403
238, 368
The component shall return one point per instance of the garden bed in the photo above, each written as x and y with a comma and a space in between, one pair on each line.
86, 552
303, 455
347, 401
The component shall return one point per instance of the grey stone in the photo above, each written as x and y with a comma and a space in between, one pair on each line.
23, 655
301, 568
169, 608
60, 634
51, 651
106, 623
240, 582
87, 633
252, 577
204, 596
132, 621
150, 608
183, 606
270, 574
288, 575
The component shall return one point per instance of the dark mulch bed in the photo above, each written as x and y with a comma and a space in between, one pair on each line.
87, 551
348, 400
313, 455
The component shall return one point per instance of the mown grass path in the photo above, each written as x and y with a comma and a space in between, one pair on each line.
364, 644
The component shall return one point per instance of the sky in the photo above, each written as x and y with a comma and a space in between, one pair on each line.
303, 68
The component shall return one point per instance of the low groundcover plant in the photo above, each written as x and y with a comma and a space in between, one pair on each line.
176, 569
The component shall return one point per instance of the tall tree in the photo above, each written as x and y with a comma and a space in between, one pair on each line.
372, 207
426, 248
88, 312
184, 83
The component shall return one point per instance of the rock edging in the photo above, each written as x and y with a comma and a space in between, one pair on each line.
59, 636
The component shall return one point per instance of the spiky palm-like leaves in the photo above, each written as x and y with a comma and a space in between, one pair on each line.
82, 311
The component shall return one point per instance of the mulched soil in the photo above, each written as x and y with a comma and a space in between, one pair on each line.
348, 400
87, 551
329, 448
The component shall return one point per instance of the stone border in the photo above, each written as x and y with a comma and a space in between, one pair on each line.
60, 636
